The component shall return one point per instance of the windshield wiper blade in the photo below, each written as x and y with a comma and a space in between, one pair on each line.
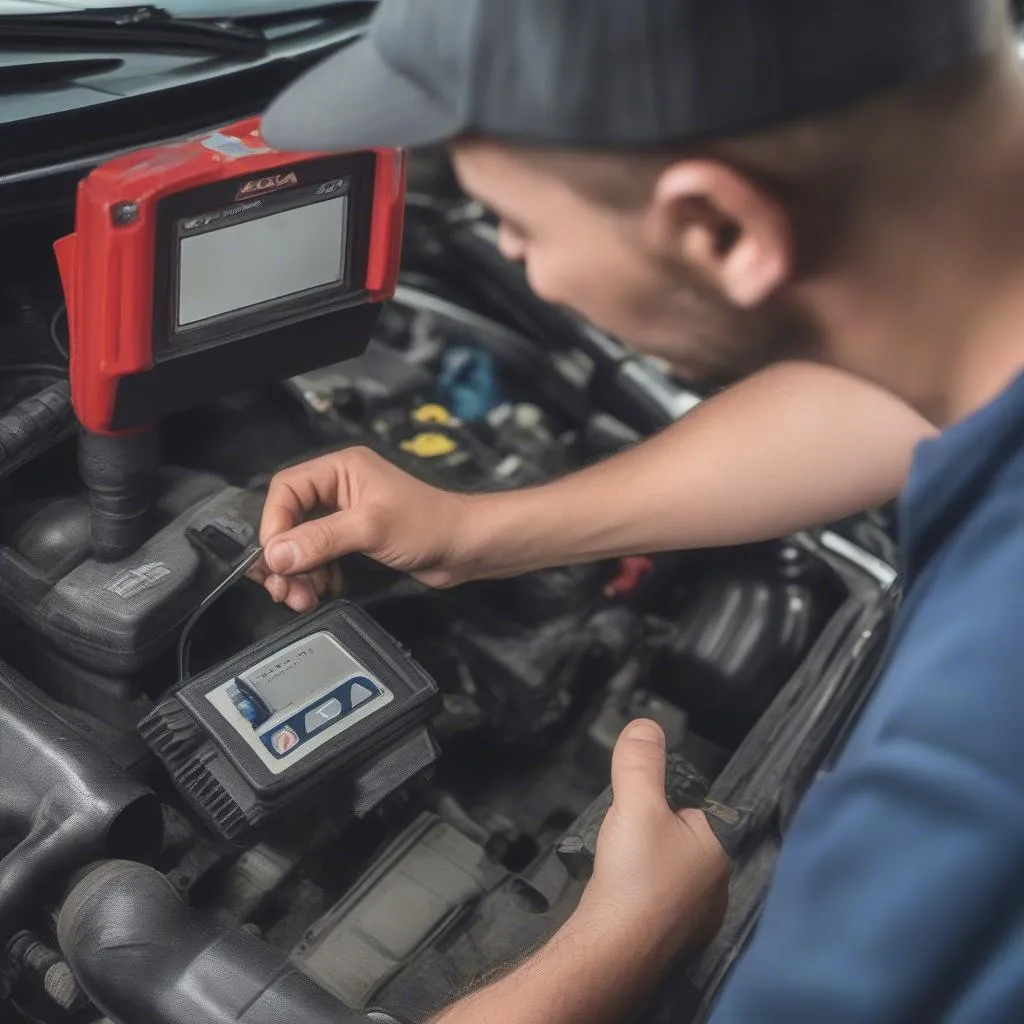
134, 26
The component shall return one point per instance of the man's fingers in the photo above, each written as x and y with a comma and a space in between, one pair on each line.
302, 595
277, 587
638, 766
321, 579
295, 591
259, 573
297, 491
312, 545
335, 582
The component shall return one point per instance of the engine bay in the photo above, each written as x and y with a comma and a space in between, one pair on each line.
754, 660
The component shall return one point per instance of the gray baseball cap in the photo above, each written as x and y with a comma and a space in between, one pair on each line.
618, 74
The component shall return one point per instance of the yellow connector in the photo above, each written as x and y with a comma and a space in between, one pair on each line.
433, 414
429, 446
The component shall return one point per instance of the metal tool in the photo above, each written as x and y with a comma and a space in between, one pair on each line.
251, 557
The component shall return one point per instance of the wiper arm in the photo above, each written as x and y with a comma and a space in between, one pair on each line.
134, 26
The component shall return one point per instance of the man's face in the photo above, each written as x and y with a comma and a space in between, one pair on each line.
613, 267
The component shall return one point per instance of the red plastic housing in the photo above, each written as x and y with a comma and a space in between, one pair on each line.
107, 268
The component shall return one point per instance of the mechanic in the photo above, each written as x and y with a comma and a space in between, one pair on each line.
731, 185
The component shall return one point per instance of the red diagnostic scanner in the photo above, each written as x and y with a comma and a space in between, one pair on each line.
208, 266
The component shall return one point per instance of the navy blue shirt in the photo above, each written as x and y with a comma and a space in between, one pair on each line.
899, 893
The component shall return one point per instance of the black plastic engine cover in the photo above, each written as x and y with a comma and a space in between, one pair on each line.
116, 618
433, 913
426, 878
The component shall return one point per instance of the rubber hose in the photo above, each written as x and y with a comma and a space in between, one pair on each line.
35, 425
143, 957
63, 805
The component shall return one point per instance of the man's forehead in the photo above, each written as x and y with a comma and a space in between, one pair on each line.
500, 176
483, 158
555, 180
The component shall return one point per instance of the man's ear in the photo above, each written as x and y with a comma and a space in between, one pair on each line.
736, 234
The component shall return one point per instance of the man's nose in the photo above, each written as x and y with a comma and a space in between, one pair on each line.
511, 245
543, 284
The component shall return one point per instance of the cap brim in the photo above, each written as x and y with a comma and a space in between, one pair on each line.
354, 100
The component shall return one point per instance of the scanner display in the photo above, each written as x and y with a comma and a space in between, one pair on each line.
213, 265
244, 265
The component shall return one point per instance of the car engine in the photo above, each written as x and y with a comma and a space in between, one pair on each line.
131, 890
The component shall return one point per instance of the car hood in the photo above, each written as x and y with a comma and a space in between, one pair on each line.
178, 8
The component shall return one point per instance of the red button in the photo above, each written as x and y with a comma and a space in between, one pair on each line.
284, 740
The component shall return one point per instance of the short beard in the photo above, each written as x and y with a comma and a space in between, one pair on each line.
726, 344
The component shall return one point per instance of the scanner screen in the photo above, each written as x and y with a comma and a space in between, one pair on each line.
233, 269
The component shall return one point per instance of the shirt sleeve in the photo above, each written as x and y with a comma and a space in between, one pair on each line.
898, 896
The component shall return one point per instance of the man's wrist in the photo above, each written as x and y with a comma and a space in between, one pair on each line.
645, 945
676, 916
478, 541
503, 531
590, 972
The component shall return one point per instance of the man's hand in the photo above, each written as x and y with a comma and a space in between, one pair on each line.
664, 872
659, 889
355, 501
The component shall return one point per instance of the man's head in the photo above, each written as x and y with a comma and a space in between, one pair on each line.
692, 175
681, 258
701, 255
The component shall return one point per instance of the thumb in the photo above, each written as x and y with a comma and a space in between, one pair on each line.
638, 766
311, 545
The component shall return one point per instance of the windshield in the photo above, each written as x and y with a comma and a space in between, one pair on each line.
176, 8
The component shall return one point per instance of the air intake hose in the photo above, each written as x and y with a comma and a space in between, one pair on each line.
35, 425
143, 957
62, 804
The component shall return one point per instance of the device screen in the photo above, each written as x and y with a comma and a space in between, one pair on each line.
234, 268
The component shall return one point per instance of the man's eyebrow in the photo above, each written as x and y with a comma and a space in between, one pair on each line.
509, 222
493, 208
512, 225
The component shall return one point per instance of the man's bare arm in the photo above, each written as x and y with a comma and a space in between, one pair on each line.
795, 446
585, 975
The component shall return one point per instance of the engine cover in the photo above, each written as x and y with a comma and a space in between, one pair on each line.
99, 627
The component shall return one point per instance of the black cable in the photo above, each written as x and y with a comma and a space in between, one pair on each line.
61, 310
38, 368
30, 1017
185, 640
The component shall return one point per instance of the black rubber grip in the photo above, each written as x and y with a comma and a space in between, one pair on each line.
35, 425
118, 473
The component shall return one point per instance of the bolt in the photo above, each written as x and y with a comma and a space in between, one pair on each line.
124, 213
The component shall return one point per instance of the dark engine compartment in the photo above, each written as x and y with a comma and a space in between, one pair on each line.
753, 659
